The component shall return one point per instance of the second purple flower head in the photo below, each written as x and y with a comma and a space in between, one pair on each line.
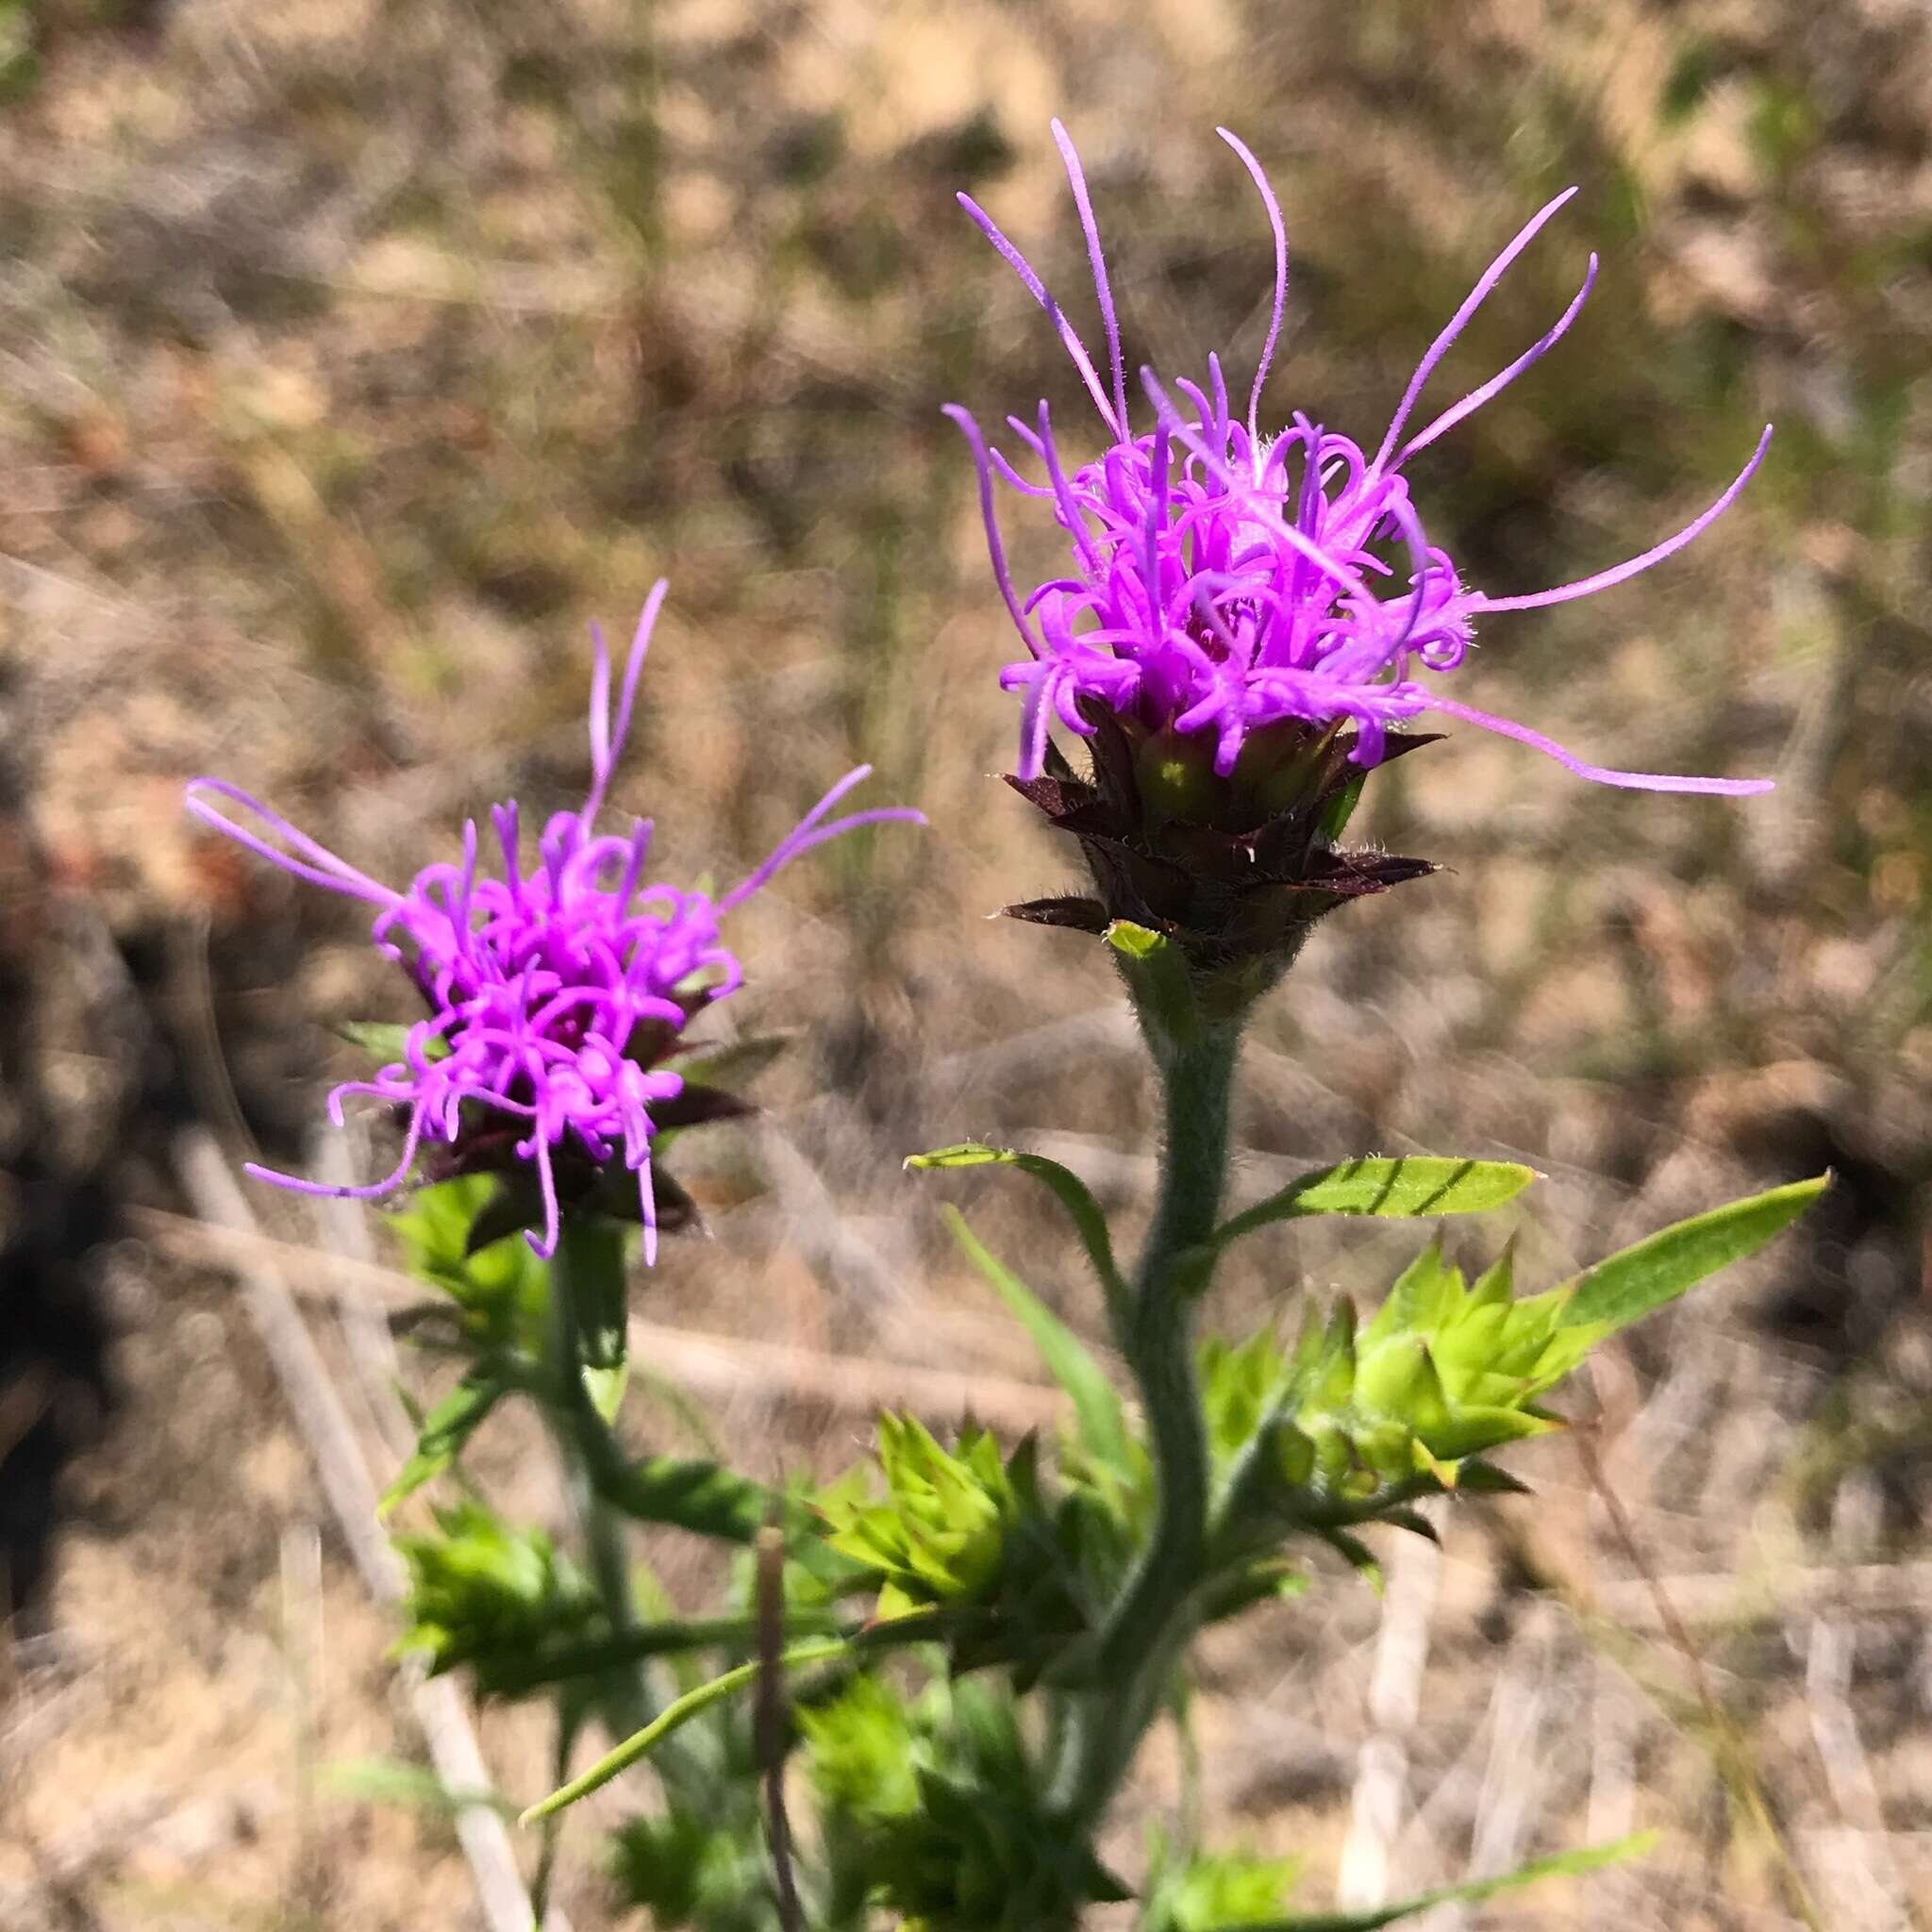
557, 993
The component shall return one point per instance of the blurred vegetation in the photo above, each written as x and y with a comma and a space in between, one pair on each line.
354, 353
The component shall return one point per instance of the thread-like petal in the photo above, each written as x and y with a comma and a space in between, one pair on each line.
1635, 566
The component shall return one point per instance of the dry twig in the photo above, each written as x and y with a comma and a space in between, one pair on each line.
317, 1407
703, 1364
1402, 1654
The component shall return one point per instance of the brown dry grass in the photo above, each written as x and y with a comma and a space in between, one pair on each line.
352, 356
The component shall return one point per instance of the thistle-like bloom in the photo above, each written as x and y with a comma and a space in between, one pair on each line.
1225, 579
555, 994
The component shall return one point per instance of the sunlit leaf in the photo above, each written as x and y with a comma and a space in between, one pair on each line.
1067, 1188
501, 1286
674, 1716
1216, 1892
1096, 1403
1156, 971
605, 1386
389, 1041
1405, 1187
1662, 1266
696, 1495
444, 1431
396, 1781
480, 1588
729, 1063
1593, 1858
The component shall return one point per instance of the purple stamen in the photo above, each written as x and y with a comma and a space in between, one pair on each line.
1499, 382
1279, 230
1630, 781
1621, 573
1485, 288
970, 429
1110, 320
1037, 288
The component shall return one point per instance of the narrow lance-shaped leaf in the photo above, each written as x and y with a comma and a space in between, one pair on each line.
389, 1041
729, 1063
1661, 1267
710, 1500
1592, 1859
674, 1716
396, 1781
443, 1432
1404, 1187
1096, 1403
1068, 1190
702, 1497
530, 1666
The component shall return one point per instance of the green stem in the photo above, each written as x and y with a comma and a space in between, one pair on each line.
1148, 1624
676, 1714
515, 1675
581, 1271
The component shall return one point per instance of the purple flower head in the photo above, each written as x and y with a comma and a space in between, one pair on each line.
1225, 579
555, 993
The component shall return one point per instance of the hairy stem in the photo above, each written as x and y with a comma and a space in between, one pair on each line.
587, 1251
1148, 1624
530, 1670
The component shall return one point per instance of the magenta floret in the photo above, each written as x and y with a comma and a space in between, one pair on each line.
553, 993
1223, 580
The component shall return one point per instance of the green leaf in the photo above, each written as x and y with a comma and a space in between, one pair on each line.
515, 1203
396, 1781
1412, 1186
444, 1430
1096, 1403
700, 1496
1660, 1268
1068, 1190
1357, 1555
502, 1288
1214, 1892
1484, 1480
605, 1386
480, 1588
1242, 1387
673, 1717
859, 1750
1592, 1859
729, 1063
387, 1041
939, 1532
694, 1869
1156, 971
709, 1500
1445, 1372
1339, 809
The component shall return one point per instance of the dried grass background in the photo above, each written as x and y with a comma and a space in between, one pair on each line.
353, 354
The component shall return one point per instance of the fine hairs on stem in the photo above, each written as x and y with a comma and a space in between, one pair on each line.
586, 1251
1146, 1624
